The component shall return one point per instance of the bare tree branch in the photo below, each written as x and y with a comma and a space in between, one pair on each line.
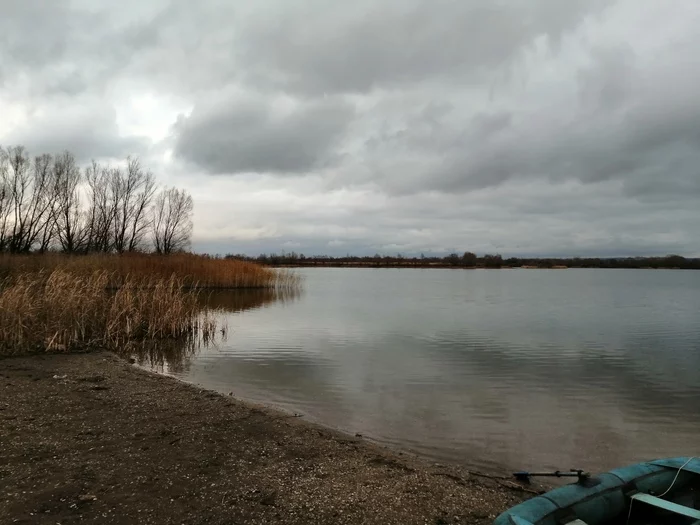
49, 202
172, 220
101, 208
26, 198
132, 191
70, 226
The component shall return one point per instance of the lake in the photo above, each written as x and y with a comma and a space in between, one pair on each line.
535, 369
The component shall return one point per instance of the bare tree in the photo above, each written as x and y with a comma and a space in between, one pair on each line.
18, 182
172, 220
139, 218
43, 198
101, 208
35, 213
5, 204
69, 220
48, 202
132, 192
28, 198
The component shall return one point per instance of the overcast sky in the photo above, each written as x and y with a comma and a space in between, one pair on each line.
547, 127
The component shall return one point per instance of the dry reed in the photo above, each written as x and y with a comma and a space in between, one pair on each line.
55, 302
62, 311
191, 270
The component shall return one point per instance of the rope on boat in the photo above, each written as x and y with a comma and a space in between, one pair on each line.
629, 514
676, 478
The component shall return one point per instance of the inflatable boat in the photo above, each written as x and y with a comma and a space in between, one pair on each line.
664, 491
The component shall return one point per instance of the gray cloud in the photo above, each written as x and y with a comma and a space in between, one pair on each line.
622, 123
34, 32
311, 47
608, 82
521, 127
556, 221
69, 46
233, 136
89, 130
318, 47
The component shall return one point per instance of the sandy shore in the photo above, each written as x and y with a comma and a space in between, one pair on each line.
92, 439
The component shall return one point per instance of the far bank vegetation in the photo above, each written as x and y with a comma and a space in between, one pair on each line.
471, 260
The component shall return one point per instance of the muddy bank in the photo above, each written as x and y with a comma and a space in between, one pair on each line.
92, 439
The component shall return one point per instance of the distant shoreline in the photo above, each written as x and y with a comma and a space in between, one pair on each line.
469, 260
451, 267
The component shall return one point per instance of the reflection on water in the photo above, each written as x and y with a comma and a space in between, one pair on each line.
173, 356
165, 356
232, 301
522, 368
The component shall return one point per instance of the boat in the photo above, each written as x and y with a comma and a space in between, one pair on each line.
663, 491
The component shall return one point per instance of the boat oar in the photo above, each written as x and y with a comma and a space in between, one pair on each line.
573, 473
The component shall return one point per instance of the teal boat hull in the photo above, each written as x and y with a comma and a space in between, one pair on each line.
605, 497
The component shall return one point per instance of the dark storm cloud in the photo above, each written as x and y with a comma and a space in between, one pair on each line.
233, 136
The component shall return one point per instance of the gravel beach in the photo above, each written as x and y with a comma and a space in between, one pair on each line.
90, 438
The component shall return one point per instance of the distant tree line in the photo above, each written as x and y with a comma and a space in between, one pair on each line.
48, 203
471, 260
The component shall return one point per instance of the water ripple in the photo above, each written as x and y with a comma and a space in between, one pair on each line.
523, 369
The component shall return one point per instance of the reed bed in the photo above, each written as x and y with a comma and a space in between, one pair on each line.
62, 310
191, 270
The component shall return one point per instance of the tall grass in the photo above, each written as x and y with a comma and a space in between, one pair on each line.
191, 270
62, 311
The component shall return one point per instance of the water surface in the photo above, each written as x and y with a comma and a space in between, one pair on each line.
487, 368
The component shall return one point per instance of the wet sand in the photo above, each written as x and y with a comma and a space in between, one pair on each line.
90, 438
